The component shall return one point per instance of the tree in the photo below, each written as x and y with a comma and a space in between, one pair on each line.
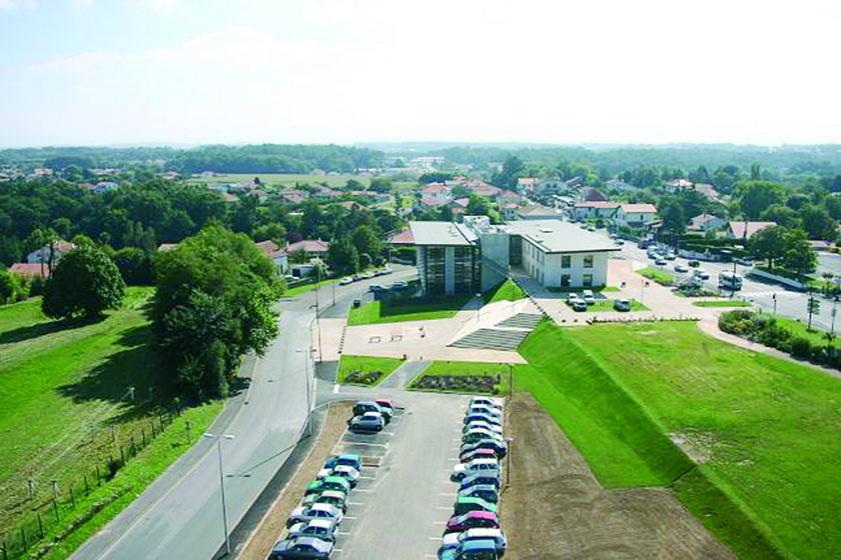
768, 244
674, 220
757, 196
381, 185
213, 303
507, 177
342, 256
85, 282
833, 206
135, 266
12, 287
44, 238
818, 223
782, 215
366, 241
799, 255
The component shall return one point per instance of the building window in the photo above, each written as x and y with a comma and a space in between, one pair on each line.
588, 281
588, 261
566, 261
565, 280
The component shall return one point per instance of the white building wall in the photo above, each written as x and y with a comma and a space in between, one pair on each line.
548, 269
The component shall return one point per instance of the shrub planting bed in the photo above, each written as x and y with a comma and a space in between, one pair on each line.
459, 383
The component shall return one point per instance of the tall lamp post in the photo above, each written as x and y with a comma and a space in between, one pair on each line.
479, 306
219, 439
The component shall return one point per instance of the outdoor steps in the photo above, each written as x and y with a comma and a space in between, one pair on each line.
521, 321
492, 339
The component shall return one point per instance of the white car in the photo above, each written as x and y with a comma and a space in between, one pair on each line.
481, 425
483, 409
681, 268
452, 540
475, 466
345, 471
345, 281
589, 297
702, 274
484, 401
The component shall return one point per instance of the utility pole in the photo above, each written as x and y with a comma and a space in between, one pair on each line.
317, 322
834, 309
307, 356
774, 297
222, 488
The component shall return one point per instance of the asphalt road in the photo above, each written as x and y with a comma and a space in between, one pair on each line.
180, 515
789, 302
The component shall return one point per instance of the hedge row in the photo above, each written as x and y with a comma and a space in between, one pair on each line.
765, 330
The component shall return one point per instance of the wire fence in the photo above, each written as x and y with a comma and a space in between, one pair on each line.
51, 510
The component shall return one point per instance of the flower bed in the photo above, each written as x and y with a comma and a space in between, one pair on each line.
459, 383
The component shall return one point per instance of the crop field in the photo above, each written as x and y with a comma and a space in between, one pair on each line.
747, 442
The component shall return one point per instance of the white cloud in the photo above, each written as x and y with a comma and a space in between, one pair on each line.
81, 4
157, 6
13, 4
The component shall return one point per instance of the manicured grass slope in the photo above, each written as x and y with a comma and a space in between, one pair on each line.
658, 275
456, 369
62, 389
766, 428
410, 309
506, 291
349, 364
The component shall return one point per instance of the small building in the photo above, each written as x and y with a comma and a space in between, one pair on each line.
706, 222
619, 185
548, 186
537, 212
447, 258
310, 247
526, 184
746, 230
595, 210
508, 211
42, 255
635, 215
591, 194
278, 255
708, 191
40, 270
436, 194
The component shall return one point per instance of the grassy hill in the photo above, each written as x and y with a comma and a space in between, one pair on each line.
639, 400
65, 408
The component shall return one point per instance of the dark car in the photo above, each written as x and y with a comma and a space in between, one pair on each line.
694, 263
302, 547
472, 520
480, 479
362, 407
487, 492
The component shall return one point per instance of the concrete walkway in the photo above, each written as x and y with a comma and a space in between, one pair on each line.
402, 376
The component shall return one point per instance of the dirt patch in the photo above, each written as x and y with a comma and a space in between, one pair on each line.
274, 522
555, 507
698, 445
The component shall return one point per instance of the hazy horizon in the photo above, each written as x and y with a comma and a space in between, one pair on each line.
183, 72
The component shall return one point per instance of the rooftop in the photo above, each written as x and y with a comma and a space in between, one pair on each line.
555, 236
438, 233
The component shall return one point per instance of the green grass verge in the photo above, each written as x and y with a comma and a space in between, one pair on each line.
463, 369
505, 291
766, 428
721, 303
408, 309
796, 328
349, 364
298, 290
660, 276
602, 305
63, 405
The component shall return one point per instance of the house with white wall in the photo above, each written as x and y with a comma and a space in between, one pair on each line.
635, 215
706, 222
594, 210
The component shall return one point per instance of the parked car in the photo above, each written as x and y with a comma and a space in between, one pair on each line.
702, 274
480, 424
589, 297
744, 261
316, 511
345, 281
464, 504
399, 285
680, 268
572, 298
453, 540
343, 471
366, 275
361, 407
670, 256
620, 241
484, 409
335, 498
471, 520
479, 479
368, 422
484, 401
376, 288
302, 547
386, 405
579, 305
694, 263
497, 445
660, 261
482, 417
324, 529
348, 459
487, 492
622, 305
387, 270
487, 466
327, 483
477, 434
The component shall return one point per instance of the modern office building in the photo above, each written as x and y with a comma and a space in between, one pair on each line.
476, 255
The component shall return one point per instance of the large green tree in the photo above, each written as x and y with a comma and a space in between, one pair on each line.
756, 196
85, 282
818, 223
342, 256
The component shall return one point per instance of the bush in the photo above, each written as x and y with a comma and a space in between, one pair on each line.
135, 266
85, 282
13, 288
800, 347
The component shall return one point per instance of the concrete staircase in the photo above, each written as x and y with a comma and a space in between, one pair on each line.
521, 321
492, 339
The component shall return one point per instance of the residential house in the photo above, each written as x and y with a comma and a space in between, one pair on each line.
58, 250
548, 186
105, 186
294, 197
526, 184
706, 222
708, 191
508, 211
746, 230
536, 212
163, 247
594, 210
591, 194
278, 255
635, 215
676, 185
619, 185
310, 247
436, 194
30, 269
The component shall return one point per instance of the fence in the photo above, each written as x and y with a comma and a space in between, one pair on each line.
53, 513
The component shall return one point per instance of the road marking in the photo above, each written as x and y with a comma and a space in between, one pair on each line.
351, 517
439, 522
367, 478
361, 490
433, 539
456, 459
343, 533
335, 388
448, 494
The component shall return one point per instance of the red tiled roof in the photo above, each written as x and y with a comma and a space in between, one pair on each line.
308, 246
270, 248
431, 201
404, 237
434, 188
745, 230
639, 208
30, 269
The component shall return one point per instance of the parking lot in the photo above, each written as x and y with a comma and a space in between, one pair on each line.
404, 495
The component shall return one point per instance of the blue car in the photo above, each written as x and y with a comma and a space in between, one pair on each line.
487, 492
482, 549
346, 459
302, 548
480, 479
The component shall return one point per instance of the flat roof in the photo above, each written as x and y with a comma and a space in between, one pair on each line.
439, 233
556, 236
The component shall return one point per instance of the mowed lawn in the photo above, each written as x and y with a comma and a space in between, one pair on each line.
406, 309
64, 406
506, 291
796, 328
658, 275
721, 303
763, 430
349, 364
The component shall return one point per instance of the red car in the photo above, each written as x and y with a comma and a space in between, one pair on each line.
386, 403
480, 453
472, 520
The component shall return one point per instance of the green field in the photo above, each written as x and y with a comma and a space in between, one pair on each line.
349, 364
65, 409
506, 291
721, 303
660, 276
281, 179
407, 309
764, 430
461, 369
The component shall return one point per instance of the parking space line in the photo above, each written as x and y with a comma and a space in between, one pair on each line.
335, 388
367, 478
445, 508
448, 494
351, 517
356, 503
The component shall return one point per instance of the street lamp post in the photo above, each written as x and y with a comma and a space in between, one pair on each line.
479, 307
317, 323
222, 487
834, 309
774, 297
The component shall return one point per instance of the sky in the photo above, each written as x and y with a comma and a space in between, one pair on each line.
116, 72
